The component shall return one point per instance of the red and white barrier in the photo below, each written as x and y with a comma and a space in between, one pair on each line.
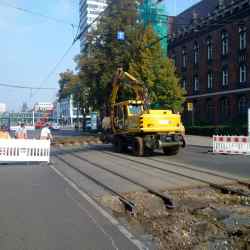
18, 150
231, 144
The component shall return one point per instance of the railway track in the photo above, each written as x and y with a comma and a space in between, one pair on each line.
129, 205
222, 188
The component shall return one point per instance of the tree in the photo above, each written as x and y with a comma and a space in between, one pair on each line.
104, 53
67, 83
157, 72
70, 84
24, 107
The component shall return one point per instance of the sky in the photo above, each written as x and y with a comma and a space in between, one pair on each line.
31, 46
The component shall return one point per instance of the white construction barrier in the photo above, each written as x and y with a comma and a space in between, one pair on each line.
18, 150
15, 128
231, 144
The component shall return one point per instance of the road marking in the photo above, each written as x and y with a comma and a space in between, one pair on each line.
93, 220
103, 212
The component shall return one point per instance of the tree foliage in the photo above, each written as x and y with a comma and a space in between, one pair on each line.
157, 72
24, 107
104, 53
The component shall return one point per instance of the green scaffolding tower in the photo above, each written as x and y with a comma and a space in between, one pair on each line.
152, 12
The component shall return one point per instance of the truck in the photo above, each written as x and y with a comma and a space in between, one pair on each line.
134, 124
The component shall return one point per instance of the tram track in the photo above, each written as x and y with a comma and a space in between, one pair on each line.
129, 205
222, 188
193, 168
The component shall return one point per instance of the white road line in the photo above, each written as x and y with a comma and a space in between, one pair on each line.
111, 219
94, 221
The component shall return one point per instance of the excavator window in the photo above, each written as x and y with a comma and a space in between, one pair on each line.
135, 109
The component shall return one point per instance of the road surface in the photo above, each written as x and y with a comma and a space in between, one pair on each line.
40, 211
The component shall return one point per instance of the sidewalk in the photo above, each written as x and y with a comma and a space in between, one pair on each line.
202, 141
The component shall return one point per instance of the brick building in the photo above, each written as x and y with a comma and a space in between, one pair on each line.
211, 49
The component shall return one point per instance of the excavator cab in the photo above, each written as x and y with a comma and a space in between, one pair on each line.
126, 115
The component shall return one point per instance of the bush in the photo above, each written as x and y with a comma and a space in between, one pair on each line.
216, 130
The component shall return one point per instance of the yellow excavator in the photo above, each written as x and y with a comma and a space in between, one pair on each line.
133, 124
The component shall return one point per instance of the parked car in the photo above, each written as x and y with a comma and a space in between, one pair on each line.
39, 125
88, 125
55, 126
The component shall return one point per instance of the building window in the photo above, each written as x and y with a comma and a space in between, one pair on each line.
225, 43
243, 37
242, 105
196, 52
225, 77
184, 84
196, 83
210, 80
243, 73
224, 108
210, 110
184, 58
209, 50
174, 59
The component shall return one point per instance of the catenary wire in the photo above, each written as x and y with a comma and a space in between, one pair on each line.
8, 85
31, 12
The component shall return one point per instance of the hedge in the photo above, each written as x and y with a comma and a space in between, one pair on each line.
216, 130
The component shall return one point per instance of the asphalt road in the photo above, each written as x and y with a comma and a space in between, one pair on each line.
203, 158
40, 211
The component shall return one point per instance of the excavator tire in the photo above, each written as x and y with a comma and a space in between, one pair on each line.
171, 150
138, 146
119, 145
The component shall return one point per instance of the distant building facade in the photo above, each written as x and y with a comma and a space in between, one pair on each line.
3, 107
89, 11
43, 107
210, 46
67, 113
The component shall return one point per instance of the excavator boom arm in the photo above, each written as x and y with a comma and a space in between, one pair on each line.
138, 88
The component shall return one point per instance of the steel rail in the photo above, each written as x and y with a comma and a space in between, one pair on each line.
185, 166
211, 184
129, 205
167, 200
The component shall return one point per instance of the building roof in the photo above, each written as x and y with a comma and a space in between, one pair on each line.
201, 9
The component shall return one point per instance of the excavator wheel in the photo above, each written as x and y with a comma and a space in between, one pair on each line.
138, 146
171, 150
119, 145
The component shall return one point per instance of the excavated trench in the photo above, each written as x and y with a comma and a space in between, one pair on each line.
203, 219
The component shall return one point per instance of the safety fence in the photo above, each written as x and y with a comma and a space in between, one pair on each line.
15, 128
231, 144
18, 150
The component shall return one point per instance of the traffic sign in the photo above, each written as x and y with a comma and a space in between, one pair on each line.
190, 106
120, 35
93, 120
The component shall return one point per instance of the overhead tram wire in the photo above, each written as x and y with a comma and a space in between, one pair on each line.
22, 86
52, 71
76, 38
31, 12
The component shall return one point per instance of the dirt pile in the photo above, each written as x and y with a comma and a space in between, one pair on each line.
203, 219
